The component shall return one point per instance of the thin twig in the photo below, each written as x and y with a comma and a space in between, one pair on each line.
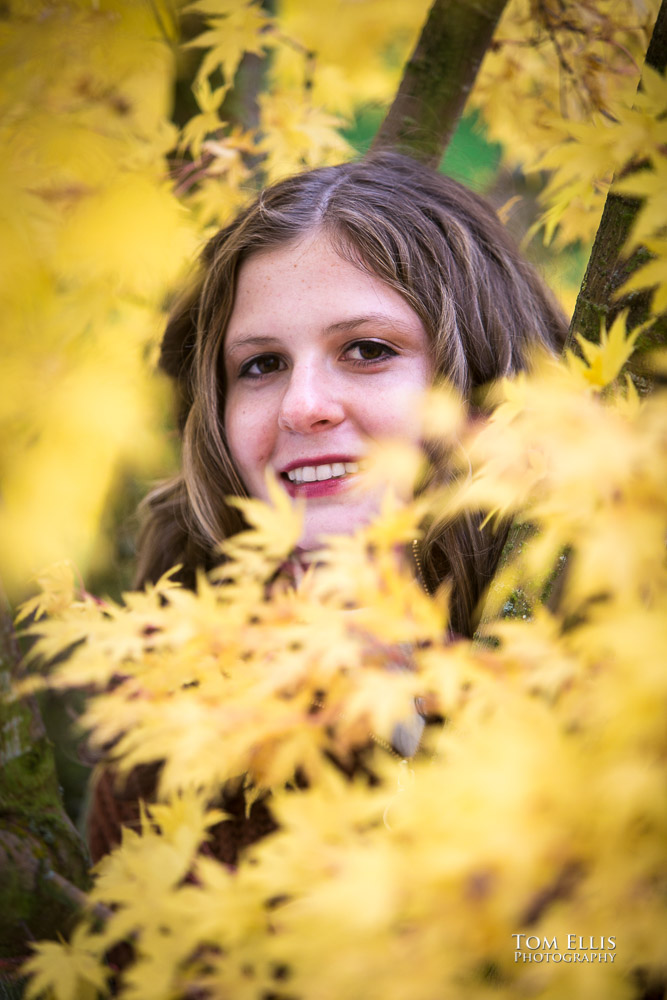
69, 891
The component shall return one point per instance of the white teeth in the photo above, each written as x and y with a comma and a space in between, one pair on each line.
318, 473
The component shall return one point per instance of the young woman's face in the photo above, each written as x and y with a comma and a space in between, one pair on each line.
321, 360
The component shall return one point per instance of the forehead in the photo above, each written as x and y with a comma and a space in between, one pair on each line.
309, 283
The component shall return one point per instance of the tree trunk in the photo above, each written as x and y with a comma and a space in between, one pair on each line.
607, 267
42, 857
607, 270
438, 78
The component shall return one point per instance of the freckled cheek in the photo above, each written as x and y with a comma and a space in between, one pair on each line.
250, 440
394, 415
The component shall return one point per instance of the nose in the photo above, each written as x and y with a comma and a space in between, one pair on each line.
312, 400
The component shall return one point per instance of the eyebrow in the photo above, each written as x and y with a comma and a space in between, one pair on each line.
261, 340
342, 326
375, 319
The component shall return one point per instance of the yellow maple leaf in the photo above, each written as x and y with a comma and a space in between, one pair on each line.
653, 273
297, 134
652, 95
207, 121
235, 28
58, 589
442, 414
276, 526
605, 359
67, 971
652, 186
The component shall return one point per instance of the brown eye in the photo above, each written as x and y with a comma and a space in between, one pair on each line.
265, 364
370, 350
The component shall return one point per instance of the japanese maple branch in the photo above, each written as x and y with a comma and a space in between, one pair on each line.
438, 78
607, 267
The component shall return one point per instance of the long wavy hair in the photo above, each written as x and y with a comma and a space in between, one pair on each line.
443, 249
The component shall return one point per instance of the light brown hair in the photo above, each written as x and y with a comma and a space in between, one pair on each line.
443, 249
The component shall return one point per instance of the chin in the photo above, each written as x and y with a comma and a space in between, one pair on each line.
344, 519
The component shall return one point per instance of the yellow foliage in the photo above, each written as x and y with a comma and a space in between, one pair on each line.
572, 71
654, 273
583, 163
537, 809
276, 529
75, 967
319, 69
298, 135
604, 360
234, 29
93, 239
327, 48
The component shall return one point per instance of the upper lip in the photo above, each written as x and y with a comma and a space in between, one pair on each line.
300, 463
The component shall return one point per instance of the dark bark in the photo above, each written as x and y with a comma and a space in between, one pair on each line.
241, 106
608, 268
438, 78
42, 858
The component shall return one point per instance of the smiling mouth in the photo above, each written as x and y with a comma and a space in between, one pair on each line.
320, 473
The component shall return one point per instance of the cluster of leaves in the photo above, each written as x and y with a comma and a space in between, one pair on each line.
583, 165
99, 237
536, 807
315, 71
573, 70
93, 238
98, 234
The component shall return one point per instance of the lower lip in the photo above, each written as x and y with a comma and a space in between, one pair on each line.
322, 488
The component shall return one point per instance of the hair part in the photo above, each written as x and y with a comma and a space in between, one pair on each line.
443, 249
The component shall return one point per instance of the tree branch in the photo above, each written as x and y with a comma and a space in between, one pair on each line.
607, 268
39, 847
606, 272
438, 78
